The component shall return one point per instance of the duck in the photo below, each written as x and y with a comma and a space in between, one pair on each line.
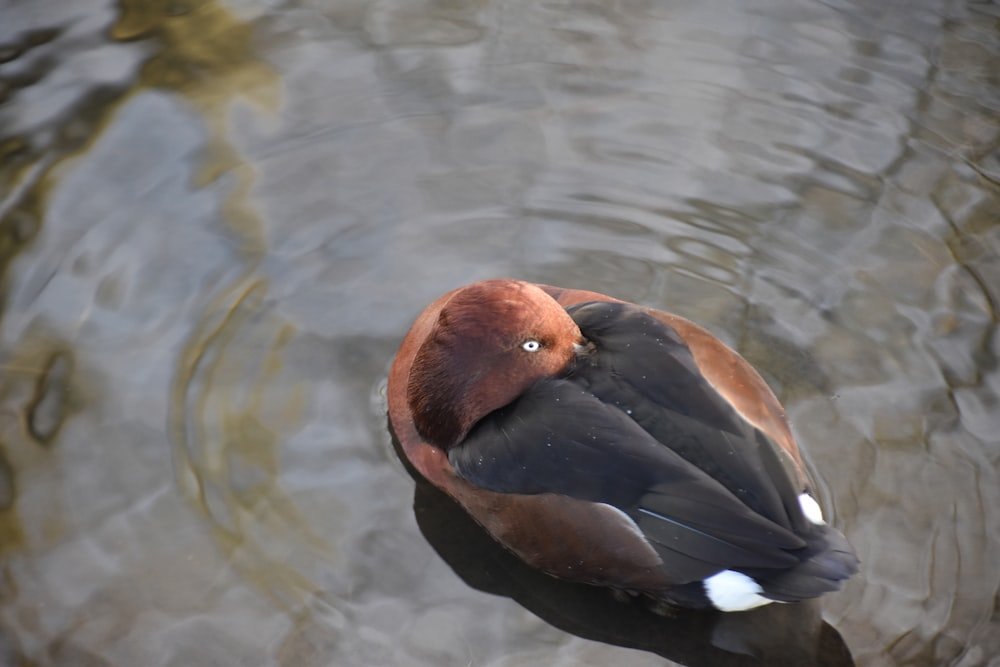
612, 444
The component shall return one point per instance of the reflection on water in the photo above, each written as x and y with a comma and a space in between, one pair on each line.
227, 449
217, 220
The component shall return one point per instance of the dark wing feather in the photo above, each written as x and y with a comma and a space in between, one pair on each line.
558, 438
641, 365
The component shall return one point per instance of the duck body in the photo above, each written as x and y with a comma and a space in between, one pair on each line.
612, 444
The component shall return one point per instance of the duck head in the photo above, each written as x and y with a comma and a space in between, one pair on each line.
491, 341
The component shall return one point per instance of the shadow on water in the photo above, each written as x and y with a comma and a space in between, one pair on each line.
789, 635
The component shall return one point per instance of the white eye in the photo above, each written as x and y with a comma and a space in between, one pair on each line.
531, 346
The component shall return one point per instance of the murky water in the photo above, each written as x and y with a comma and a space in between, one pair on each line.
217, 220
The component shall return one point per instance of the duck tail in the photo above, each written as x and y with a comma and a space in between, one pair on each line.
825, 563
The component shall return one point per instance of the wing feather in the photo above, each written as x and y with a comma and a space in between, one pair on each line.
558, 438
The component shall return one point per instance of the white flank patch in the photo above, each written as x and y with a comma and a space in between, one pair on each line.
626, 522
811, 509
733, 591
625, 519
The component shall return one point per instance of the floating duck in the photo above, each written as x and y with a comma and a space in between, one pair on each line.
612, 444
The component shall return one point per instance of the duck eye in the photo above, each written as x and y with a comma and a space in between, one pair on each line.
531, 346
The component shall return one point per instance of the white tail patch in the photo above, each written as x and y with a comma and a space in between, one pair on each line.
811, 509
733, 591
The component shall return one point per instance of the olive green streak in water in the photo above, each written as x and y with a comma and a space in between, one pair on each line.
46, 411
42, 371
19, 223
204, 54
46, 365
213, 432
11, 532
207, 56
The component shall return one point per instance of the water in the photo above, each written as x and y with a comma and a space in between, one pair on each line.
217, 220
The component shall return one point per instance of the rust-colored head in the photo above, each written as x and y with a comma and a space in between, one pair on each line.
491, 341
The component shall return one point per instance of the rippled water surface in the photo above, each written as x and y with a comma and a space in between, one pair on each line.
217, 220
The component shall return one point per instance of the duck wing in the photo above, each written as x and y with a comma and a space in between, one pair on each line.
645, 368
559, 438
